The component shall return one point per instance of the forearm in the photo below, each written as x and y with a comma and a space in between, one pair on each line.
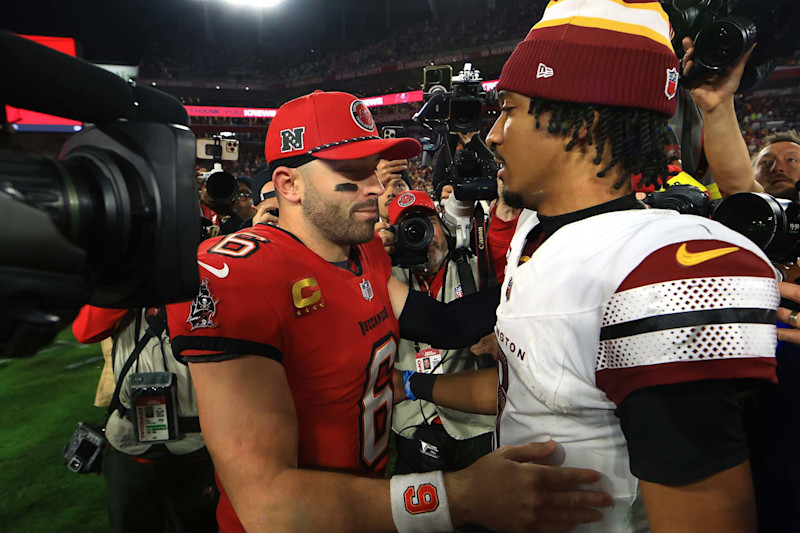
471, 392
726, 151
310, 500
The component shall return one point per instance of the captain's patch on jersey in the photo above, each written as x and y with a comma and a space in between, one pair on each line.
306, 296
203, 308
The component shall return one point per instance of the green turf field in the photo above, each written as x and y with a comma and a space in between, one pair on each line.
41, 400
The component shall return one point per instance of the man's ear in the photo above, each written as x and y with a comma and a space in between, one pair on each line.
287, 184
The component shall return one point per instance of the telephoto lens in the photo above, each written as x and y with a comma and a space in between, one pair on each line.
772, 223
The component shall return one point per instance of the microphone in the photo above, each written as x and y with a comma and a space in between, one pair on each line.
51, 82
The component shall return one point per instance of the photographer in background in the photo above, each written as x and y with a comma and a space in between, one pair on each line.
777, 165
471, 142
428, 437
159, 485
243, 205
393, 176
775, 170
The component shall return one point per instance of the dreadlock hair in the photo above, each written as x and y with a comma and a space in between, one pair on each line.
637, 137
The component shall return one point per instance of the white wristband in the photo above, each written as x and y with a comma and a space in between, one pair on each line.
419, 503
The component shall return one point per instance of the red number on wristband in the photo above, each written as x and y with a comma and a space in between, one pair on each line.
423, 500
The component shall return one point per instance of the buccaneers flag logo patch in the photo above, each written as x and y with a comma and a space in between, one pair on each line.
203, 308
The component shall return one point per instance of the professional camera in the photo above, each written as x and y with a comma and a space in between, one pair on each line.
113, 221
724, 30
412, 236
475, 177
458, 100
84, 452
466, 110
455, 105
772, 223
685, 199
222, 187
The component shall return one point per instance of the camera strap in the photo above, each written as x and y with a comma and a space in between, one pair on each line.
486, 272
156, 326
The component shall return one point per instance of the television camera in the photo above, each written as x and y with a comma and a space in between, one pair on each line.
455, 104
113, 220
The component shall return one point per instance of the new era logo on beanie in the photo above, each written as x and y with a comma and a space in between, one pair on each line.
330, 125
607, 52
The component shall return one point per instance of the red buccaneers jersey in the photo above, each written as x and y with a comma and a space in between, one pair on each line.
264, 293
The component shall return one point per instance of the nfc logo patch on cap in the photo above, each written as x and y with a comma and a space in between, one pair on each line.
292, 139
406, 199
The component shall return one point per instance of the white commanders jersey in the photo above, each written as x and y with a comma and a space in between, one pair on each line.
614, 303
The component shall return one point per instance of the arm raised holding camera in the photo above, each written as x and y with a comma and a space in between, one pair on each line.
726, 151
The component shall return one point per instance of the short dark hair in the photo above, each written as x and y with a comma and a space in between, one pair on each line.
789, 136
637, 136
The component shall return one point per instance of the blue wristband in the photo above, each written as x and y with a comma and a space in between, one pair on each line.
407, 386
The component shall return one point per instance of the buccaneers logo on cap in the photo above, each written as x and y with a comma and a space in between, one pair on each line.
406, 199
362, 116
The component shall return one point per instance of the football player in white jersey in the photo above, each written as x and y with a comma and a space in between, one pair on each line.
627, 335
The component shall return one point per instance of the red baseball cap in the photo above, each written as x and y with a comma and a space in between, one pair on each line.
331, 125
410, 201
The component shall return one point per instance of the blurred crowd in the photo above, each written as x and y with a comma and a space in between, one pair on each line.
182, 56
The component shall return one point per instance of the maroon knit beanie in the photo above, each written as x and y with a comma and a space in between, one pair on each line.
607, 52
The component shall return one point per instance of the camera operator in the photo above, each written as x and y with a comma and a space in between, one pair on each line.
774, 170
167, 484
777, 165
459, 141
428, 437
243, 205
223, 211
393, 176
724, 147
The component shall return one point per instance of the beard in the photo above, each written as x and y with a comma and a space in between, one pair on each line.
513, 199
335, 221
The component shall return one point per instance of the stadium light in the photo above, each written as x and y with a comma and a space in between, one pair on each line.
255, 3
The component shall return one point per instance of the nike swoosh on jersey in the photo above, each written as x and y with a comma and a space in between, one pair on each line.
219, 272
687, 258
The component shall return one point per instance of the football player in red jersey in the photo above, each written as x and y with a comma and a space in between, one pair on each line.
291, 344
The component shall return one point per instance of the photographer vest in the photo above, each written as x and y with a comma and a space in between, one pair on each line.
408, 415
156, 356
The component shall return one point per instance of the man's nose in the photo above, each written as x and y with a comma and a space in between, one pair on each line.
494, 138
373, 186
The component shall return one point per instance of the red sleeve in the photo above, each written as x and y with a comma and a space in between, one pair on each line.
232, 315
499, 237
94, 324
703, 309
